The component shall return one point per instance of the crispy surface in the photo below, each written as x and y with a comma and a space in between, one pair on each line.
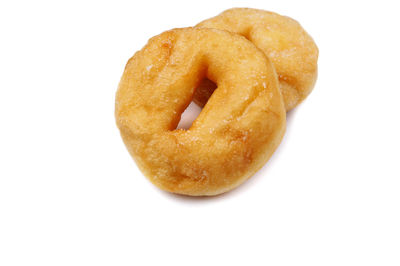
291, 50
234, 135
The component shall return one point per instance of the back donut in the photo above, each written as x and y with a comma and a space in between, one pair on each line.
291, 50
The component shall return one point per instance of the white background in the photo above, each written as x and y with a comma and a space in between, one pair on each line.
70, 194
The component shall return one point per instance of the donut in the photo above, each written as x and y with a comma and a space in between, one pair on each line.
234, 134
291, 50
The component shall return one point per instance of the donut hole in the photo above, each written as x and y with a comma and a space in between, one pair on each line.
202, 93
189, 115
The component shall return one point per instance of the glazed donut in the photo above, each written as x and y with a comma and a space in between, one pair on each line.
235, 133
291, 50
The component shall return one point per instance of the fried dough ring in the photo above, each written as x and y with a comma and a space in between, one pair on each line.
234, 135
291, 50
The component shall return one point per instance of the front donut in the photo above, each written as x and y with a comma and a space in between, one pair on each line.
238, 129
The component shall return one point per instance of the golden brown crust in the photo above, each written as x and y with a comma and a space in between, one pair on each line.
234, 135
291, 50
